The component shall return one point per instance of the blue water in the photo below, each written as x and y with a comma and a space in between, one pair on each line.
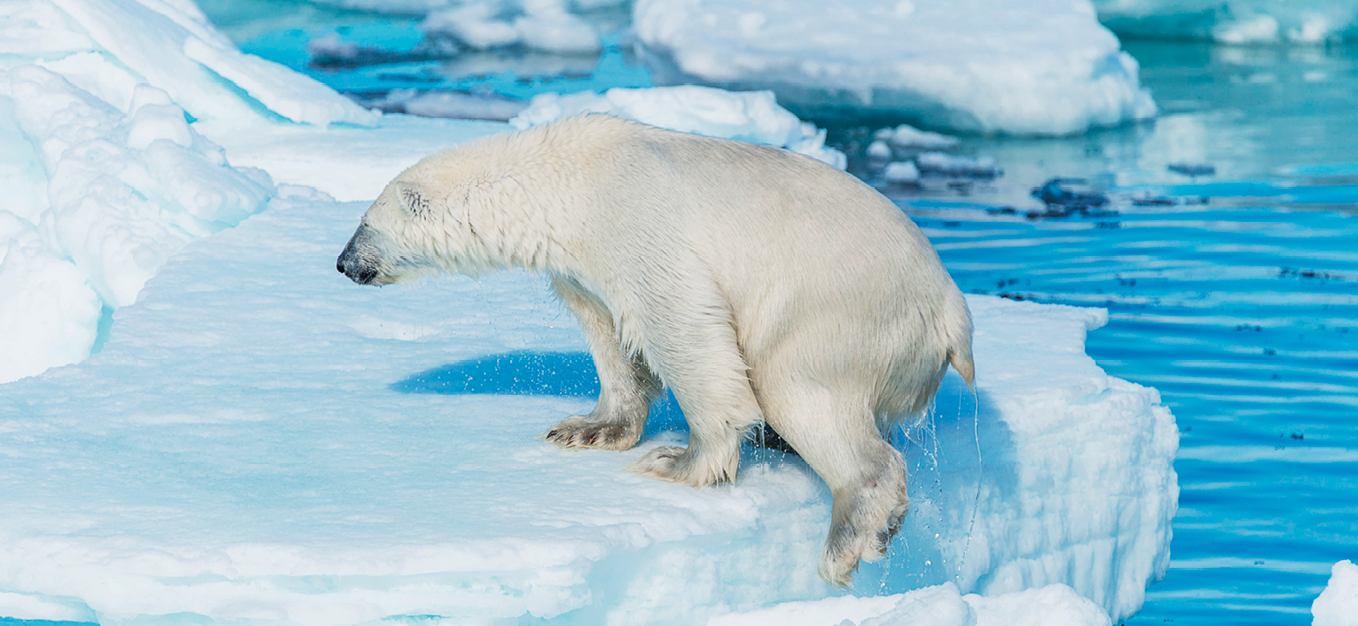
1246, 320
1237, 297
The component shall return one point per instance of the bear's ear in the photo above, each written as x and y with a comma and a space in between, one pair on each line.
411, 198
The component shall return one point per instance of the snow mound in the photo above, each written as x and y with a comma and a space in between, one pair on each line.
107, 47
982, 66
1338, 604
752, 116
113, 114
940, 605
124, 191
263, 441
1306, 22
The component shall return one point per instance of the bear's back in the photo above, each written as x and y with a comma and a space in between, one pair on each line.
785, 237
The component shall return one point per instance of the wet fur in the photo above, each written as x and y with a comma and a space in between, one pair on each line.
759, 285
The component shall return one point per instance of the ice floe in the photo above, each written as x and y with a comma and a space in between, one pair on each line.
981, 66
263, 440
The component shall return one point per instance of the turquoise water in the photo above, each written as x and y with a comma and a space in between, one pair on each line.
1236, 295
1245, 319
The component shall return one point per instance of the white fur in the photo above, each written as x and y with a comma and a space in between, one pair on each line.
759, 285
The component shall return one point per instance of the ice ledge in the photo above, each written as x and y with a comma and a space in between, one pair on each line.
262, 441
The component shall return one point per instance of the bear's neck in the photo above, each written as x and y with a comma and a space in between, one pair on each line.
518, 221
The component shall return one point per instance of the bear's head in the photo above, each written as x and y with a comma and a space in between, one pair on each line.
466, 210
403, 236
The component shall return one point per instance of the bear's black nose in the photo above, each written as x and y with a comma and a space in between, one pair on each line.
339, 264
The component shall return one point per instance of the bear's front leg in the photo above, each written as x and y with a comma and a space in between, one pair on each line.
626, 387
691, 342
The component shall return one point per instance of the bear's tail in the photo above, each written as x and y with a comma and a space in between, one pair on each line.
958, 334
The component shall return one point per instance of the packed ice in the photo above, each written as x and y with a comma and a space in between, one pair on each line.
982, 66
1304, 22
1338, 604
753, 116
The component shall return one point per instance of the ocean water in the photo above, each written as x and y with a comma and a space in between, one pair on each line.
1235, 294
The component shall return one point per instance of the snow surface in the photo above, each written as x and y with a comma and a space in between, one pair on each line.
1045, 67
1338, 604
940, 605
752, 116
1304, 22
261, 439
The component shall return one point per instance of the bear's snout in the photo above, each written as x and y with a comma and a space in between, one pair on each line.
359, 259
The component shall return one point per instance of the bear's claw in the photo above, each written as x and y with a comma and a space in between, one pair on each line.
582, 432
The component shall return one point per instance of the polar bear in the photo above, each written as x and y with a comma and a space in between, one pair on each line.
759, 285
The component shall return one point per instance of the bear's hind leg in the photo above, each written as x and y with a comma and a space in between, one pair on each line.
865, 475
626, 386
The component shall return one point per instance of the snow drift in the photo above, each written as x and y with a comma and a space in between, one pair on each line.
106, 177
113, 114
981, 66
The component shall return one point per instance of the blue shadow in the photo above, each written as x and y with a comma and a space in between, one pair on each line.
564, 374
569, 374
